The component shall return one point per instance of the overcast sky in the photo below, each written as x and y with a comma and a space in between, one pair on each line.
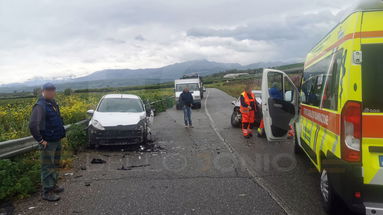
51, 38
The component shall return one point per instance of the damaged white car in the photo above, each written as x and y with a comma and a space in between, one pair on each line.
120, 119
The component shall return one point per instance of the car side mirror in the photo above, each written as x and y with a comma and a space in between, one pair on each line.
90, 112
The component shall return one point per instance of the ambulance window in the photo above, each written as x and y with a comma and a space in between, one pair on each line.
275, 81
288, 90
314, 81
372, 78
330, 93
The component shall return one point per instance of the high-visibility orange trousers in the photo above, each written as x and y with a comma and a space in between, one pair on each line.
248, 119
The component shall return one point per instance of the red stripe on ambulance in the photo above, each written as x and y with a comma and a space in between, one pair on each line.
326, 119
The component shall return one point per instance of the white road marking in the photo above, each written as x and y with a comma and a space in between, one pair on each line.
252, 173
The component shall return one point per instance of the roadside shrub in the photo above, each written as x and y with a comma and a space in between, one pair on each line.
163, 104
76, 137
19, 177
68, 92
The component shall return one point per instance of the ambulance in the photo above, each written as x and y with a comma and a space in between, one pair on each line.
337, 112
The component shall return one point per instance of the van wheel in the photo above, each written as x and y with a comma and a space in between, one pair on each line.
327, 192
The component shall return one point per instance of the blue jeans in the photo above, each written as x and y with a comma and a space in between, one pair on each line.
187, 115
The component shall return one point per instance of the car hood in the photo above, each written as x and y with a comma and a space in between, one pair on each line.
116, 119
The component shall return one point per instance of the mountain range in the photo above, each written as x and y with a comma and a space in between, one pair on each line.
130, 77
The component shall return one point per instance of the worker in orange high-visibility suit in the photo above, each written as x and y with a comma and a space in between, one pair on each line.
248, 109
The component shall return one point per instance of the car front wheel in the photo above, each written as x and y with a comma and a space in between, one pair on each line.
236, 119
91, 142
145, 136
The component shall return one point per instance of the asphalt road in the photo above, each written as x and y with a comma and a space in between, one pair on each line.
209, 169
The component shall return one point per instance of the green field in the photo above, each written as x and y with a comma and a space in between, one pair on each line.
235, 87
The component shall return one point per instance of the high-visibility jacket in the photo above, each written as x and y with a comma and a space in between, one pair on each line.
248, 116
249, 101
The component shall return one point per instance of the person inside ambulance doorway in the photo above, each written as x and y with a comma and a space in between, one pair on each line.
248, 109
276, 93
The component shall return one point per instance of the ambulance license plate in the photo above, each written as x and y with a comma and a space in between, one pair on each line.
381, 160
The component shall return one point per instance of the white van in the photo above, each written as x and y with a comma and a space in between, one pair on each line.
195, 88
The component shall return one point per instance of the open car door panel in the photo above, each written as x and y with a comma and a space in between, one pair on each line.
280, 104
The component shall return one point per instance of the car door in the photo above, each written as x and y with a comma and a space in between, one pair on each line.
279, 104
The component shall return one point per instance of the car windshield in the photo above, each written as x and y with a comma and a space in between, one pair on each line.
372, 77
190, 86
120, 105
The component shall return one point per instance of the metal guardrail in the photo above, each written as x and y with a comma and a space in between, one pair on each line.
161, 100
167, 99
15, 147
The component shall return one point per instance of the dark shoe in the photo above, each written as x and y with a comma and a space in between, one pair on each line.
50, 196
190, 126
58, 189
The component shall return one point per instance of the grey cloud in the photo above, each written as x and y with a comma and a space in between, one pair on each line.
294, 34
89, 35
139, 38
288, 28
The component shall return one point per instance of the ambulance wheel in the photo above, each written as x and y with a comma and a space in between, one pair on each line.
327, 192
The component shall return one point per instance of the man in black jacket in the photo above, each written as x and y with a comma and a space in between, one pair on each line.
47, 128
186, 100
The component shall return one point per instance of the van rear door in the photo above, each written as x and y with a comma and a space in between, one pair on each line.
372, 102
279, 104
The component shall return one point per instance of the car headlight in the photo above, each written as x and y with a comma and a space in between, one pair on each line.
96, 124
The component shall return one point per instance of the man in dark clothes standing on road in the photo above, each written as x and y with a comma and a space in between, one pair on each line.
186, 99
47, 128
